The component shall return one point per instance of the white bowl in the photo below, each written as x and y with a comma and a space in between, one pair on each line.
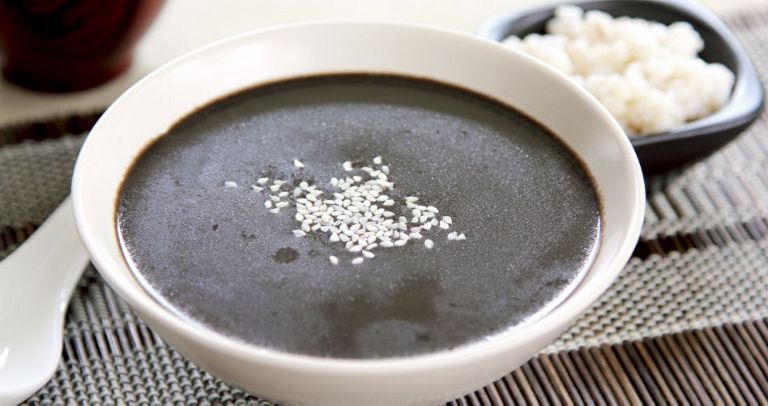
150, 107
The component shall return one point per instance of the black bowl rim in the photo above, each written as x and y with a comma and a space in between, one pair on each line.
747, 95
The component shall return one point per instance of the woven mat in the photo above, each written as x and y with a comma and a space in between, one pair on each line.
702, 261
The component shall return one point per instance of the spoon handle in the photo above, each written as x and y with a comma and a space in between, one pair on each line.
36, 281
52, 258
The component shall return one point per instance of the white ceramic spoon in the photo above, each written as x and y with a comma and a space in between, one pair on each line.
36, 282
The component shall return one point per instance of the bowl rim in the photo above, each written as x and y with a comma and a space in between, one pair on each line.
577, 302
747, 95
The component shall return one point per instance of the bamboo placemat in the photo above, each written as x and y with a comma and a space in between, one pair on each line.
684, 323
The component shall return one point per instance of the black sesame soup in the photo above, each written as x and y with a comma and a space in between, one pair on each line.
499, 220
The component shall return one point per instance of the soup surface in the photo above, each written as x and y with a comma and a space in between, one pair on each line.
217, 257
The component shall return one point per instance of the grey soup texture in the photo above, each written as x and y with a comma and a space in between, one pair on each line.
217, 257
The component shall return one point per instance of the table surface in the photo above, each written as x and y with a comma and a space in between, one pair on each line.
184, 25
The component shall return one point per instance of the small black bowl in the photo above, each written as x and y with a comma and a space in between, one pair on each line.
664, 151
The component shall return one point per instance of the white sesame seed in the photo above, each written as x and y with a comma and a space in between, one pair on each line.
347, 166
400, 243
368, 254
268, 204
385, 169
447, 220
377, 160
356, 248
428, 243
274, 198
274, 211
299, 233
444, 225
230, 184
274, 188
411, 199
298, 164
461, 237
262, 181
333, 260
386, 244
257, 188
452, 235
283, 194
415, 236
358, 261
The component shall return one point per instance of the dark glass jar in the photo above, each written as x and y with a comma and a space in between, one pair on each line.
70, 45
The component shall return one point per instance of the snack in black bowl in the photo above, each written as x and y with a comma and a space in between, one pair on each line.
665, 150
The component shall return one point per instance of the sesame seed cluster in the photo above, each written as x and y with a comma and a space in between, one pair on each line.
359, 211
